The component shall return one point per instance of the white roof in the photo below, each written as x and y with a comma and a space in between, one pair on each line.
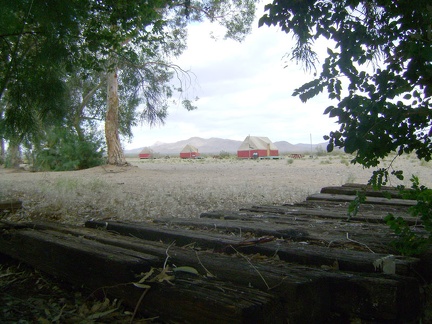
257, 143
189, 148
146, 150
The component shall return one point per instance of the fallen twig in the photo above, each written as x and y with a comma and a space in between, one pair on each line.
265, 282
208, 273
351, 240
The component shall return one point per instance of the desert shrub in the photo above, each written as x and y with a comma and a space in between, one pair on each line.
319, 151
325, 162
344, 161
424, 163
64, 150
351, 178
224, 155
290, 161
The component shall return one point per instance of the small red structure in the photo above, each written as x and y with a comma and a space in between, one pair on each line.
189, 152
146, 153
256, 147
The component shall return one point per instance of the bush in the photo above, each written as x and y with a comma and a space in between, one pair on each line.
66, 151
224, 155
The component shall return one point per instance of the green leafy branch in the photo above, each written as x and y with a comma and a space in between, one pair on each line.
409, 241
354, 205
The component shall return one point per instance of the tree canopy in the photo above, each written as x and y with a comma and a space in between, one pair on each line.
378, 68
49, 49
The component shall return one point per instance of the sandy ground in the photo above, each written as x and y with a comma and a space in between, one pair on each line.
182, 188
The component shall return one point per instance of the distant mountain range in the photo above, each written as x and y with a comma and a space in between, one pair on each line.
216, 145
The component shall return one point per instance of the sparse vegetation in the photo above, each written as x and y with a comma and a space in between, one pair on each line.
328, 161
427, 164
173, 187
224, 155
350, 179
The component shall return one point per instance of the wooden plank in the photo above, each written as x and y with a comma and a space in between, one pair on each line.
323, 233
195, 300
301, 253
342, 206
379, 308
113, 269
370, 200
363, 189
73, 258
219, 241
297, 287
308, 253
367, 213
297, 291
153, 233
386, 293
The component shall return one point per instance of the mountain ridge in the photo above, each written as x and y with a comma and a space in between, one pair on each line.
215, 145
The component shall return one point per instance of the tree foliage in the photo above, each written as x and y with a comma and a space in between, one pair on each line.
35, 50
51, 48
378, 67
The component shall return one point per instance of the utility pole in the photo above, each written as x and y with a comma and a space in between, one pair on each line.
311, 145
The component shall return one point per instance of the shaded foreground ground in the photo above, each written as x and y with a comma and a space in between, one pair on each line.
150, 189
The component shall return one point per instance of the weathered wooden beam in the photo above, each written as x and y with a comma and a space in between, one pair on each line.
287, 279
363, 189
113, 269
369, 200
296, 293
296, 287
306, 253
322, 232
367, 213
379, 292
73, 258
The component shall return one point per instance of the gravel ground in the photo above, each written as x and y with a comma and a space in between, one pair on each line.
150, 189
182, 188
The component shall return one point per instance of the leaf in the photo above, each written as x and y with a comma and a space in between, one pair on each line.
147, 275
163, 276
140, 285
102, 314
186, 270
328, 110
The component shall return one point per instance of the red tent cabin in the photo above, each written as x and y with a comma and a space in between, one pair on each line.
254, 147
146, 153
189, 152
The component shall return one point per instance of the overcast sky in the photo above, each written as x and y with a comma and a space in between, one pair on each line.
243, 89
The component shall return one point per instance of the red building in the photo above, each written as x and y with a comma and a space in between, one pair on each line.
254, 147
146, 153
189, 152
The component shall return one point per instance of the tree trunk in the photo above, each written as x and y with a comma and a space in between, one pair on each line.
115, 151
13, 157
2, 151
